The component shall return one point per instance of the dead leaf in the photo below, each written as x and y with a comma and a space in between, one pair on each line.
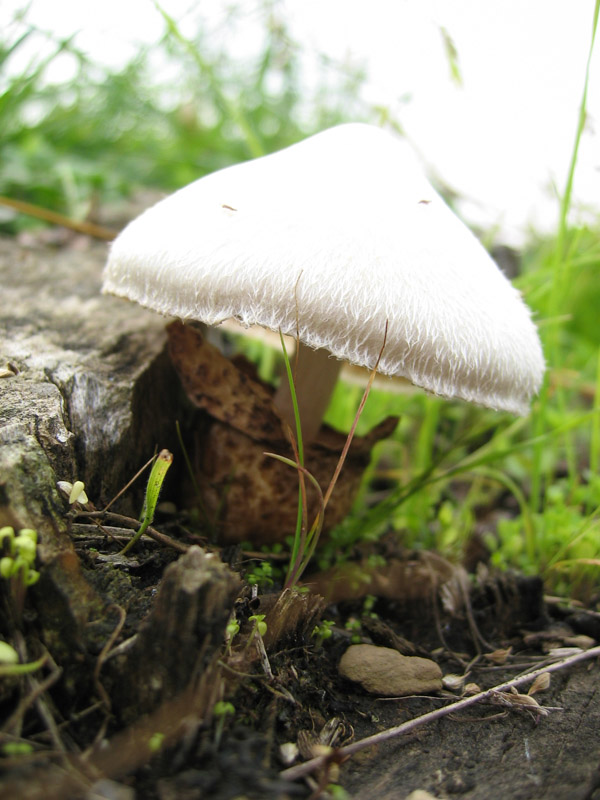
213, 383
515, 699
540, 684
247, 495
454, 683
499, 657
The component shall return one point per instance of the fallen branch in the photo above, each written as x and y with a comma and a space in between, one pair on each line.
134, 524
337, 756
88, 228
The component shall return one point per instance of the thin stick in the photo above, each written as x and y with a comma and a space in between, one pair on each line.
37, 689
102, 693
129, 522
342, 457
128, 484
297, 354
301, 770
89, 228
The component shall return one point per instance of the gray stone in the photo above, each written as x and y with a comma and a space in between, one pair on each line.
383, 671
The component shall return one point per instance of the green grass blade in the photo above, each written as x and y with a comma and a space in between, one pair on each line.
157, 476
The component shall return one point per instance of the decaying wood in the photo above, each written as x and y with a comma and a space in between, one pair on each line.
181, 637
290, 613
87, 392
86, 389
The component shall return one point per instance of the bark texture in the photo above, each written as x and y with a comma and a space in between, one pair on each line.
86, 392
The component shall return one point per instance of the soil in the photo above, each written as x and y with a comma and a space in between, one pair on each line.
142, 695
486, 751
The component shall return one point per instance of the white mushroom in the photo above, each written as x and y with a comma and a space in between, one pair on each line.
330, 240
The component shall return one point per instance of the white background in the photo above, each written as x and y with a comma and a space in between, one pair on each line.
503, 139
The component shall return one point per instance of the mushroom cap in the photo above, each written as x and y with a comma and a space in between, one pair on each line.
330, 239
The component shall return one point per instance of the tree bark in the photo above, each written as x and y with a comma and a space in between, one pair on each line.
87, 392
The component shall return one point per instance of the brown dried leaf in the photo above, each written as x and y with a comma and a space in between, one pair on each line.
540, 684
500, 656
247, 495
212, 382
515, 699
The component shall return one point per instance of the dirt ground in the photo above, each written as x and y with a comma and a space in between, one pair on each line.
486, 751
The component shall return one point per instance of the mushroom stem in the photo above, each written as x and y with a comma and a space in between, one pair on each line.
315, 376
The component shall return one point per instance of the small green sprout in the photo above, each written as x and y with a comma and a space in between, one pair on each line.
322, 631
260, 626
15, 749
74, 492
337, 792
156, 742
368, 606
157, 475
258, 629
353, 625
231, 631
221, 710
19, 560
261, 575
8, 654
9, 662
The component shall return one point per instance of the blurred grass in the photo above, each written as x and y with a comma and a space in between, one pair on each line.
73, 146
529, 487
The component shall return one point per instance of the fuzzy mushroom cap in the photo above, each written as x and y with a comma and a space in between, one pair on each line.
333, 237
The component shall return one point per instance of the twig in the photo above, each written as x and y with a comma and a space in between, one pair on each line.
105, 654
280, 691
36, 689
129, 522
39, 688
264, 658
129, 483
361, 406
89, 228
299, 771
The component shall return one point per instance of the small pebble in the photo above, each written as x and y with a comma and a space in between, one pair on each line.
383, 671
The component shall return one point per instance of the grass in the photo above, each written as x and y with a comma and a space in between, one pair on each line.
530, 486
79, 145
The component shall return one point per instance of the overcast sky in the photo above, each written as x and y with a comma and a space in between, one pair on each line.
503, 138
